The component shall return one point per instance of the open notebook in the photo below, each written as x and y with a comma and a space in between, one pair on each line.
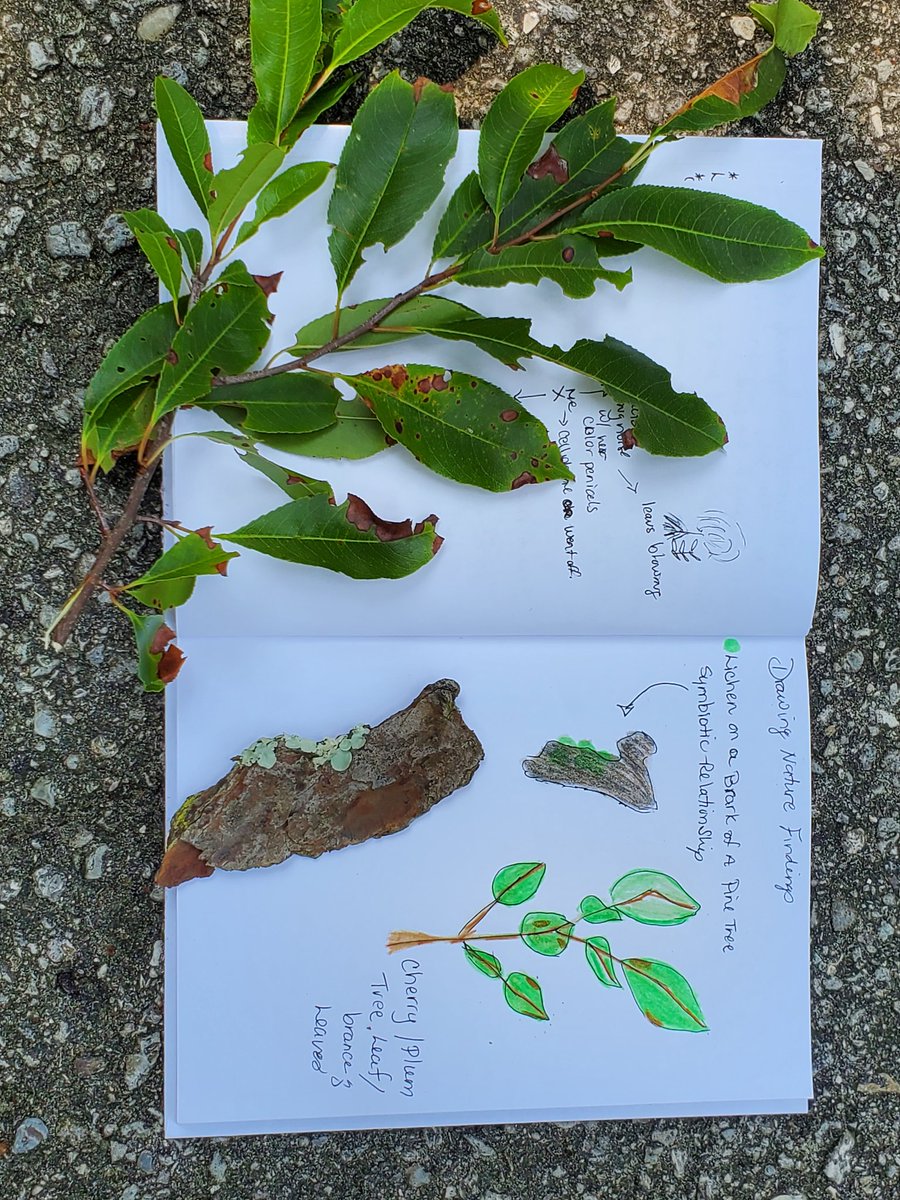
668, 598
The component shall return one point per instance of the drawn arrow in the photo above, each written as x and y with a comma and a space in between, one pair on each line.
626, 708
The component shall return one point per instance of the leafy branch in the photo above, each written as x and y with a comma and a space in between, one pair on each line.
539, 207
662, 994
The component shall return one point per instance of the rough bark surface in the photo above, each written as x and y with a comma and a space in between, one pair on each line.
625, 778
259, 815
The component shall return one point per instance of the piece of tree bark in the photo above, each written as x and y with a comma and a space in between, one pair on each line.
290, 795
625, 778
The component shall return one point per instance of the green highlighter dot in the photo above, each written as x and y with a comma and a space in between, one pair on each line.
731, 646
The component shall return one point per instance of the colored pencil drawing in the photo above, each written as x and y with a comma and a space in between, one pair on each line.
623, 777
661, 993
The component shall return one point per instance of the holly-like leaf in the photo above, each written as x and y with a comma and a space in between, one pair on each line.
284, 42
347, 538
792, 23
486, 963
546, 932
283, 193
467, 222
653, 898
159, 245
523, 995
462, 427
170, 581
601, 961
293, 484
185, 133
732, 240
136, 357
370, 22
295, 402
116, 428
518, 882
401, 323
663, 995
225, 332
514, 127
595, 912
354, 433
159, 660
740, 93
391, 168
570, 260
191, 243
319, 103
236, 186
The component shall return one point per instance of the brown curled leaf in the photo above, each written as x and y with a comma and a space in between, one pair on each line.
268, 283
170, 664
361, 515
550, 163
161, 639
629, 441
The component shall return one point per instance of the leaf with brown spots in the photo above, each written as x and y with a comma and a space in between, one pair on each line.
740, 93
159, 661
170, 581
462, 426
552, 164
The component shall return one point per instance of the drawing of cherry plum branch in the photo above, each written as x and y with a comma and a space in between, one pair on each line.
662, 994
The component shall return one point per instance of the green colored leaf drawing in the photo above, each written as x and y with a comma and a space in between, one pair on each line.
158, 661
160, 246
355, 433
595, 912
515, 124
664, 996
191, 242
546, 932
391, 169
466, 223
462, 427
283, 193
601, 961
295, 402
486, 963
170, 581
186, 136
402, 323
731, 240
284, 41
224, 332
370, 22
570, 260
523, 995
297, 486
235, 187
136, 357
347, 538
740, 93
319, 103
792, 23
518, 882
653, 898
117, 427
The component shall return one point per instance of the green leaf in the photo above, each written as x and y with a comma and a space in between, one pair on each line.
296, 402
523, 995
731, 240
224, 333
668, 422
601, 961
370, 22
740, 93
136, 357
170, 581
467, 222
319, 103
570, 260
401, 323
595, 912
652, 898
348, 538
191, 242
486, 963
185, 132
117, 427
518, 882
664, 996
391, 168
284, 42
546, 932
283, 193
792, 23
158, 661
235, 187
355, 433
462, 427
297, 486
515, 124
160, 246
507, 339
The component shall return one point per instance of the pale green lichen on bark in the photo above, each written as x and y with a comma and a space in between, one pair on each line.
336, 752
